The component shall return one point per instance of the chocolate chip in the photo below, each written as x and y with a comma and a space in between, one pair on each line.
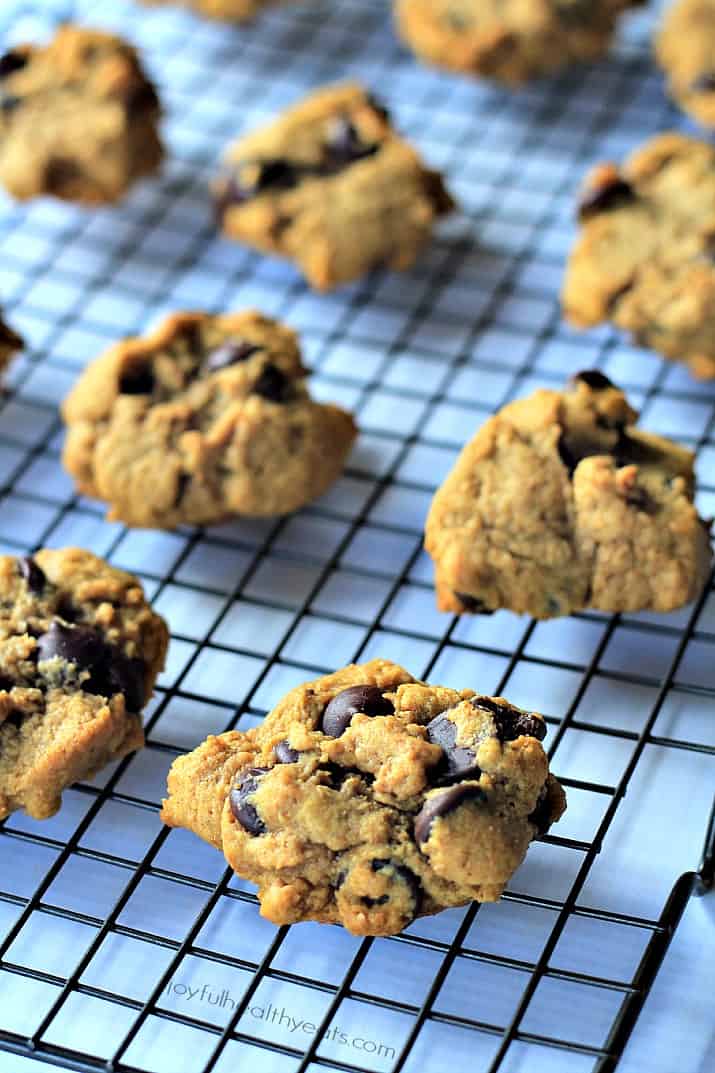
511, 722
182, 486
9, 102
443, 803
593, 379
284, 754
6, 684
15, 718
704, 83
569, 457
541, 816
458, 762
230, 353
246, 813
272, 384
10, 62
59, 173
137, 381
473, 605
343, 145
400, 875
640, 499
110, 671
31, 572
142, 99
368, 700
609, 195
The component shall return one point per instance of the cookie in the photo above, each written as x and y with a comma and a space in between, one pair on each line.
10, 342
685, 49
510, 41
367, 798
80, 650
230, 10
206, 418
330, 186
644, 258
559, 503
78, 118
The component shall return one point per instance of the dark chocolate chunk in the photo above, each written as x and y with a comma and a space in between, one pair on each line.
607, 196
142, 99
245, 786
443, 803
459, 762
230, 353
640, 499
10, 62
593, 379
510, 722
343, 145
273, 384
541, 816
59, 172
368, 700
6, 684
15, 718
399, 876
137, 381
284, 754
31, 572
473, 605
110, 670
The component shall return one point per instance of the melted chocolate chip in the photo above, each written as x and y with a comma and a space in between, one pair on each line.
640, 499
443, 803
142, 99
15, 718
137, 381
284, 754
59, 172
110, 670
31, 572
473, 605
593, 379
510, 722
399, 874
458, 762
541, 816
368, 700
344, 146
230, 353
604, 198
6, 684
246, 813
272, 384
10, 62
569, 458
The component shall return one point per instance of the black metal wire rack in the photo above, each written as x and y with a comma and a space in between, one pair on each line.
125, 946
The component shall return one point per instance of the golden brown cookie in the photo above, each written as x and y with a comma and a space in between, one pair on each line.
508, 40
80, 650
685, 49
206, 418
332, 187
559, 503
367, 798
644, 258
78, 118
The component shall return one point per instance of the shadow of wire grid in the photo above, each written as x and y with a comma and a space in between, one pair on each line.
128, 946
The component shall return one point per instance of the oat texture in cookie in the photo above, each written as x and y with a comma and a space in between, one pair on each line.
685, 49
80, 650
230, 10
78, 118
332, 187
644, 258
10, 342
367, 798
510, 41
206, 418
559, 503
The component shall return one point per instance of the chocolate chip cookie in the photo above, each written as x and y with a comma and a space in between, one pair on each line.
508, 40
230, 10
206, 418
80, 650
10, 341
78, 118
645, 258
559, 503
685, 49
332, 187
367, 798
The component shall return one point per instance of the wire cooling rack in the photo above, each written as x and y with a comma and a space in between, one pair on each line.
127, 946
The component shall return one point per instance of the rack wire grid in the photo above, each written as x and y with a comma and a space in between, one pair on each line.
128, 946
